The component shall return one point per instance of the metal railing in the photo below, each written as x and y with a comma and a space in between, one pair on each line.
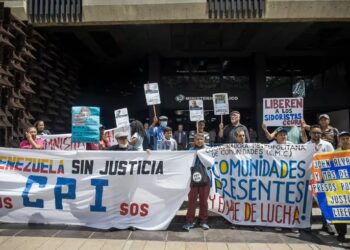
236, 9
54, 11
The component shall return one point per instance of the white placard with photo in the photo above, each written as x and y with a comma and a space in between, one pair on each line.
122, 117
196, 110
152, 93
220, 101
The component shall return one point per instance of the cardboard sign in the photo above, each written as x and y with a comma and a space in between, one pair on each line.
152, 93
221, 106
331, 185
85, 124
196, 110
121, 117
283, 111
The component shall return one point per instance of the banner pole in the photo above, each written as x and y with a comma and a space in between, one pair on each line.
154, 110
197, 126
221, 119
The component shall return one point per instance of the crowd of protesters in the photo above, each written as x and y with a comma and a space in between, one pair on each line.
159, 136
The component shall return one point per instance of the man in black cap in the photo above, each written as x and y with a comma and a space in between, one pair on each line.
123, 144
344, 141
227, 133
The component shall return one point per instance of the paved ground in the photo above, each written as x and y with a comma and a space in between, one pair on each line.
220, 236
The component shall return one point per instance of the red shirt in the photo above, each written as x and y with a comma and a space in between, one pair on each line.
26, 145
97, 146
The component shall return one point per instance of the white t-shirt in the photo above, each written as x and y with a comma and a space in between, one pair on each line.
322, 146
138, 146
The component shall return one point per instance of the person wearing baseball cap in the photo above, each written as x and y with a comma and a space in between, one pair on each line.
156, 133
281, 136
344, 141
329, 133
122, 140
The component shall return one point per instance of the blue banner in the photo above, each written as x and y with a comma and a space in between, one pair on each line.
331, 185
85, 124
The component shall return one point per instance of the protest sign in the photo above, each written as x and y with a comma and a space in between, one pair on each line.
100, 189
331, 185
85, 124
152, 93
283, 111
121, 117
221, 106
260, 185
64, 141
196, 110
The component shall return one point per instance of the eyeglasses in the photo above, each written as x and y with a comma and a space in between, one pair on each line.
122, 138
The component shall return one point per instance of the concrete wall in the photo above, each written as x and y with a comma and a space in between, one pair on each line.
174, 11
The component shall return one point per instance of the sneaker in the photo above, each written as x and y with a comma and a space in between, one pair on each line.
233, 227
341, 238
278, 229
187, 226
257, 228
294, 230
328, 229
204, 226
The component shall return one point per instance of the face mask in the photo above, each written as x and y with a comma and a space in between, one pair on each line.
163, 124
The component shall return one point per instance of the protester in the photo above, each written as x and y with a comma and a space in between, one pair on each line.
344, 141
147, 139
201, 192
295, 135
123, 144
180, 137
200, 126
226, 134
31, 141
252, 135
281, 136
240, 136
168, 143
137, 135
157, 132
103, 143
320, 146
40, 128
329, 133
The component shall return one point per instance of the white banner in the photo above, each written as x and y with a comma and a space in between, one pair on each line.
101, 189
260, 185
64, 141
283, 111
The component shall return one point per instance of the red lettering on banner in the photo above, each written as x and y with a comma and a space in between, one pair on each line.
6, 202
134, 209
283, 103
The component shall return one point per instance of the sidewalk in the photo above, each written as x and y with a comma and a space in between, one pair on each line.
220, 236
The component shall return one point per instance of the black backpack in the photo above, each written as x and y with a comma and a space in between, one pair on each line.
199, 175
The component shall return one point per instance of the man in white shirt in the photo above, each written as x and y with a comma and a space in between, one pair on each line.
321, 146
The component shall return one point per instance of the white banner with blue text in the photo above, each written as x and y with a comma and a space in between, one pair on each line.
260, 185
100, 189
